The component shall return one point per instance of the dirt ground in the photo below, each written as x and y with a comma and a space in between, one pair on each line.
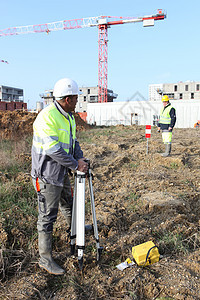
139, 197
19, 123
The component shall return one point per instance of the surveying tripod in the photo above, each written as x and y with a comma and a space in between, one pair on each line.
78, 215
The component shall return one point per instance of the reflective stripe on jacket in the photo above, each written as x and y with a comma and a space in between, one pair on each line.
165, 116
54, 147
51, 130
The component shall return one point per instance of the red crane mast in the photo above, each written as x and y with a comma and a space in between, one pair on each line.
103, 23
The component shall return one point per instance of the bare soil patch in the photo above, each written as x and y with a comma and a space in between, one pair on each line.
138, 198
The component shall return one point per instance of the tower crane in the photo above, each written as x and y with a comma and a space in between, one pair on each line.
103, 23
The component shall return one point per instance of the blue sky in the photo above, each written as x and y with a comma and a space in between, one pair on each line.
137, 56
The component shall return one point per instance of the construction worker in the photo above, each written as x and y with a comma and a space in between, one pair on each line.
166, 123
55, 150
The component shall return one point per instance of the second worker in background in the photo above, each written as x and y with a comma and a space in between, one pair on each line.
166, 123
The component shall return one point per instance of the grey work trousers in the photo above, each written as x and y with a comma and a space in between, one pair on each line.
50, 198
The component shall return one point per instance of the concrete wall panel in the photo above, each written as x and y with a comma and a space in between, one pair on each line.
144, 112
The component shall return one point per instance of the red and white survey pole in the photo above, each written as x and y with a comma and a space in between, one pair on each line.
148, 134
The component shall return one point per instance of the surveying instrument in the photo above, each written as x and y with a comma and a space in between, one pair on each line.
78, 215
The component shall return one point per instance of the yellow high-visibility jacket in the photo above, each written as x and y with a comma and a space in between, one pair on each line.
167, 117
54, 148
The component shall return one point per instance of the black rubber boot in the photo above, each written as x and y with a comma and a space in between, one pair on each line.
46, 261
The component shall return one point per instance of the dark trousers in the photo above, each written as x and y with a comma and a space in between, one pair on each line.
50, 198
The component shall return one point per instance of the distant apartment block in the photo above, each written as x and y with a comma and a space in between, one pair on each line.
47, 97
89, 95
188, 90
11, 98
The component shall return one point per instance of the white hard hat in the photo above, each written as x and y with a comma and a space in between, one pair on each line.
65, 87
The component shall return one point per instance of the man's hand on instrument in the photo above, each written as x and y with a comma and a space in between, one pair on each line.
82, 165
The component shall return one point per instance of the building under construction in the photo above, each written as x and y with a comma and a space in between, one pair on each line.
188, 90
90, 95
11, 98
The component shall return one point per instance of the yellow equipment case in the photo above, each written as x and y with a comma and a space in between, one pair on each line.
145, 254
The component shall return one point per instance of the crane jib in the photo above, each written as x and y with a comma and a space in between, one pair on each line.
103, 23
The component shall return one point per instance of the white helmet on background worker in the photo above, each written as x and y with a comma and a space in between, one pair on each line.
65, 87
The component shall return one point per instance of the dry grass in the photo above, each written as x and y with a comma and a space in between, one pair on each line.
17, 207
122, 174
